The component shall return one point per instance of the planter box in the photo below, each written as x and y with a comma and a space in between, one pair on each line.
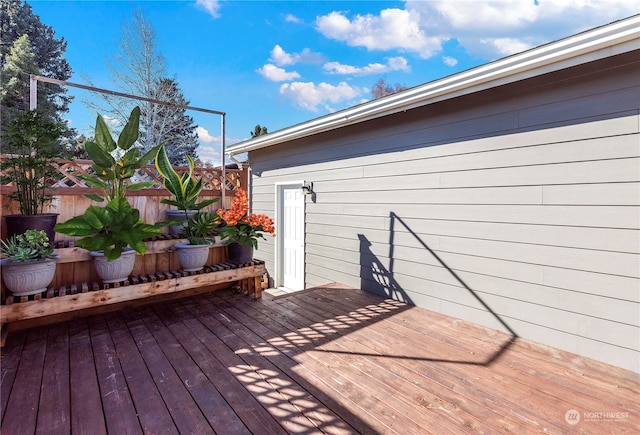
75, 265
250, 278
76, 287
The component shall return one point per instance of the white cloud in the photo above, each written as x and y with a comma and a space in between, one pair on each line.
211, 6
392, 29
507, 46
497, 28
484, 14
290, 18
112, 122
209, 147
487, 29
450, 61
309, 96
393, 64
282, 58
275, 74
204, 136
209, 154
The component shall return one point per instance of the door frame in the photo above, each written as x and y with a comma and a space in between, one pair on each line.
279, 245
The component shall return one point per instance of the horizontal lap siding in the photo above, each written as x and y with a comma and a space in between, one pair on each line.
526, 198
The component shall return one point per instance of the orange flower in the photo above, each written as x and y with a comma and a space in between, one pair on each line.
241, 226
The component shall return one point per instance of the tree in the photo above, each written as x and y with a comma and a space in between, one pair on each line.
138, 68
382, 89
170, 125
16, 20
258, 131
14, 89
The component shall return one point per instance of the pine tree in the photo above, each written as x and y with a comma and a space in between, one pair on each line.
14, 89
259, 131
17, 19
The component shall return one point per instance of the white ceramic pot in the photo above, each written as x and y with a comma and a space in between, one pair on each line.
192, 257
117, 270
24, 278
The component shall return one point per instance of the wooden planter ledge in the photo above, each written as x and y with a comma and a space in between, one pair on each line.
250, 278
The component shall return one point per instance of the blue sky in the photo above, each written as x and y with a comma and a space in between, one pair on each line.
279, 63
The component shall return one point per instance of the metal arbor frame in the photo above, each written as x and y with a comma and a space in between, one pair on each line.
33, 104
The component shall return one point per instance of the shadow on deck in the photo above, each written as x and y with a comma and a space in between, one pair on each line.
329, 359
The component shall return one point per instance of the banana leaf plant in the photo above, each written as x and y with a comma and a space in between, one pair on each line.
115, 163
185, 189
117, 225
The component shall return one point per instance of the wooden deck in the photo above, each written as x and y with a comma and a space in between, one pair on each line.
330, 360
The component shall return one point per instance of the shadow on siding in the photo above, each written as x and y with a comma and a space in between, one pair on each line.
377, 279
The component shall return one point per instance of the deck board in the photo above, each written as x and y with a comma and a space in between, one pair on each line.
55, 394
83, 382
152, 411
117, 404
9, 368
197, 382
326, 360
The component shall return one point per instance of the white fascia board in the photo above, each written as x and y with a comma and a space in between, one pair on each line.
616, 38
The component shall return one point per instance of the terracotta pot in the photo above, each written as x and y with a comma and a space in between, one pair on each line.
240, 254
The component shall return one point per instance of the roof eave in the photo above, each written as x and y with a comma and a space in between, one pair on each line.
616, 38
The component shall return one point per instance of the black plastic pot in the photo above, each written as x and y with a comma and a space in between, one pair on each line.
19, 223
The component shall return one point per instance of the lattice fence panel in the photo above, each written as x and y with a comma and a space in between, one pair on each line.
70, 170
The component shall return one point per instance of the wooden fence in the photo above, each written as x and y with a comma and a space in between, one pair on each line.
70, 200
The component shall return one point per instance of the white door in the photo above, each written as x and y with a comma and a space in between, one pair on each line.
292, 228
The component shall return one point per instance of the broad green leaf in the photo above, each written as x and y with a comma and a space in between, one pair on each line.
119, 205
74, 227
147, 157
130, 158
103, 136
94, 197
93, 181
207, 202
99, 155
111, 253
129, 133
98, 217
127, 173
171, 202
139, 247
140, 185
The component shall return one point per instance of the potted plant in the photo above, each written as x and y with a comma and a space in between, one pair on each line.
184, 190
33, 144
114, 232
29, 266
200, 232
241, 229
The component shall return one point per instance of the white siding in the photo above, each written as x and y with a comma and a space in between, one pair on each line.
529, 194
